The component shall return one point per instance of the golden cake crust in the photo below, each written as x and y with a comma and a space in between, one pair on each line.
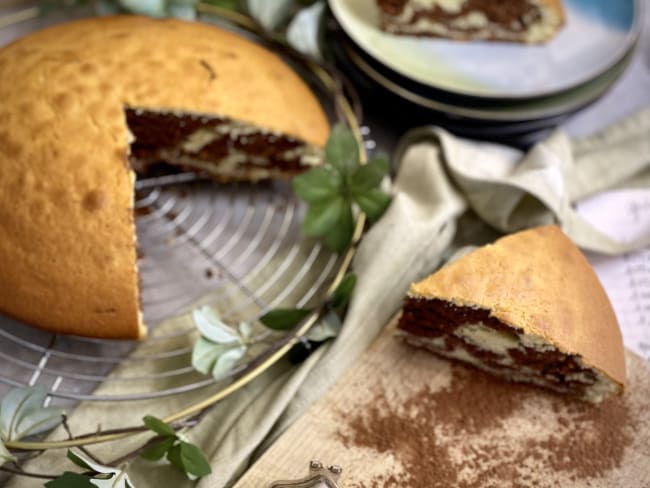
555, 6
67, 254
538, 281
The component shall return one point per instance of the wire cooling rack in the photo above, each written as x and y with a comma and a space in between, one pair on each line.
237, 247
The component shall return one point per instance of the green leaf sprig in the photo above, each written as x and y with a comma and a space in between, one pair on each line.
5, 455
22, 414
220, 347
328, 326
183, 455
284, 318
288, 318
332, 189
95, 475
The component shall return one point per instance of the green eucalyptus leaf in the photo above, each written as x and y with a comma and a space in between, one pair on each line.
174, 457
152, 8
5, 455
343, 292
330, 190
220, 346
322, 217
227, 361
284, 318
82, 460
373, 203
206, 353
342, 150
303, 30
181, 11
119, 480
246, 331
78, 460
22, 413
211, 326
226, 4
270, 14
102, 476
157, 451
158, 426
340, 235
194, 460
369, 175
107, 7
39, 420
326, 328
189, 459
70, 480
216, 359
317, 184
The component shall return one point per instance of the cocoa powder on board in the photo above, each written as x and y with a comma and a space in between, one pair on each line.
461, 436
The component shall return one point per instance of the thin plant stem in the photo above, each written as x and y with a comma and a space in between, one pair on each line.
64, 423
29, 474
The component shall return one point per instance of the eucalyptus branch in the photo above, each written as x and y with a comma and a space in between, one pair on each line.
154, 440
123, 430
25, 455
175, 449
136, 452
29, 474
66, 427
193, 420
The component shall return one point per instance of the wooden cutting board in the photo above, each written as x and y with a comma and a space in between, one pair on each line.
404, 418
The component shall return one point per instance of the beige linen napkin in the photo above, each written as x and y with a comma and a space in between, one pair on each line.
441, 179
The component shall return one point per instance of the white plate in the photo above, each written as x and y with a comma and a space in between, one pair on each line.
502, 111
597, 34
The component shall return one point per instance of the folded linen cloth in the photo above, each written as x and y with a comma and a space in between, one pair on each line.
447, 192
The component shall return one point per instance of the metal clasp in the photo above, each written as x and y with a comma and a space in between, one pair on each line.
319, 477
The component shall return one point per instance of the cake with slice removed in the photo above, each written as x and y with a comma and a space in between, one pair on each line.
85, 100
526, 21
528, 308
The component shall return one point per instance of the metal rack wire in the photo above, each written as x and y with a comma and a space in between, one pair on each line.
237, 247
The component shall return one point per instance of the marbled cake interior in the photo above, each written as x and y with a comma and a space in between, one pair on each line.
473, 336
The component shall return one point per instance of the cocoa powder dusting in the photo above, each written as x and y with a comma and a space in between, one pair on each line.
459, 436
595, 441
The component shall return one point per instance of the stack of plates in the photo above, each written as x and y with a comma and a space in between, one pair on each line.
488, 89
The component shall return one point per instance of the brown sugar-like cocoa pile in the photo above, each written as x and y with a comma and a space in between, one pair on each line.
470, 435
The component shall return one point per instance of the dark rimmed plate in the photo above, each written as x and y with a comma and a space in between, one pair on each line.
597, 35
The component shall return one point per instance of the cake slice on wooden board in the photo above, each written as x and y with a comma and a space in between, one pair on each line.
528, 308
68, 246
526, 21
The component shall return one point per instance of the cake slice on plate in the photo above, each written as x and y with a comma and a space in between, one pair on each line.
526, 21
528, 308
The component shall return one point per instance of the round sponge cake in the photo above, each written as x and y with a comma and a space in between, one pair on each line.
68, 246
